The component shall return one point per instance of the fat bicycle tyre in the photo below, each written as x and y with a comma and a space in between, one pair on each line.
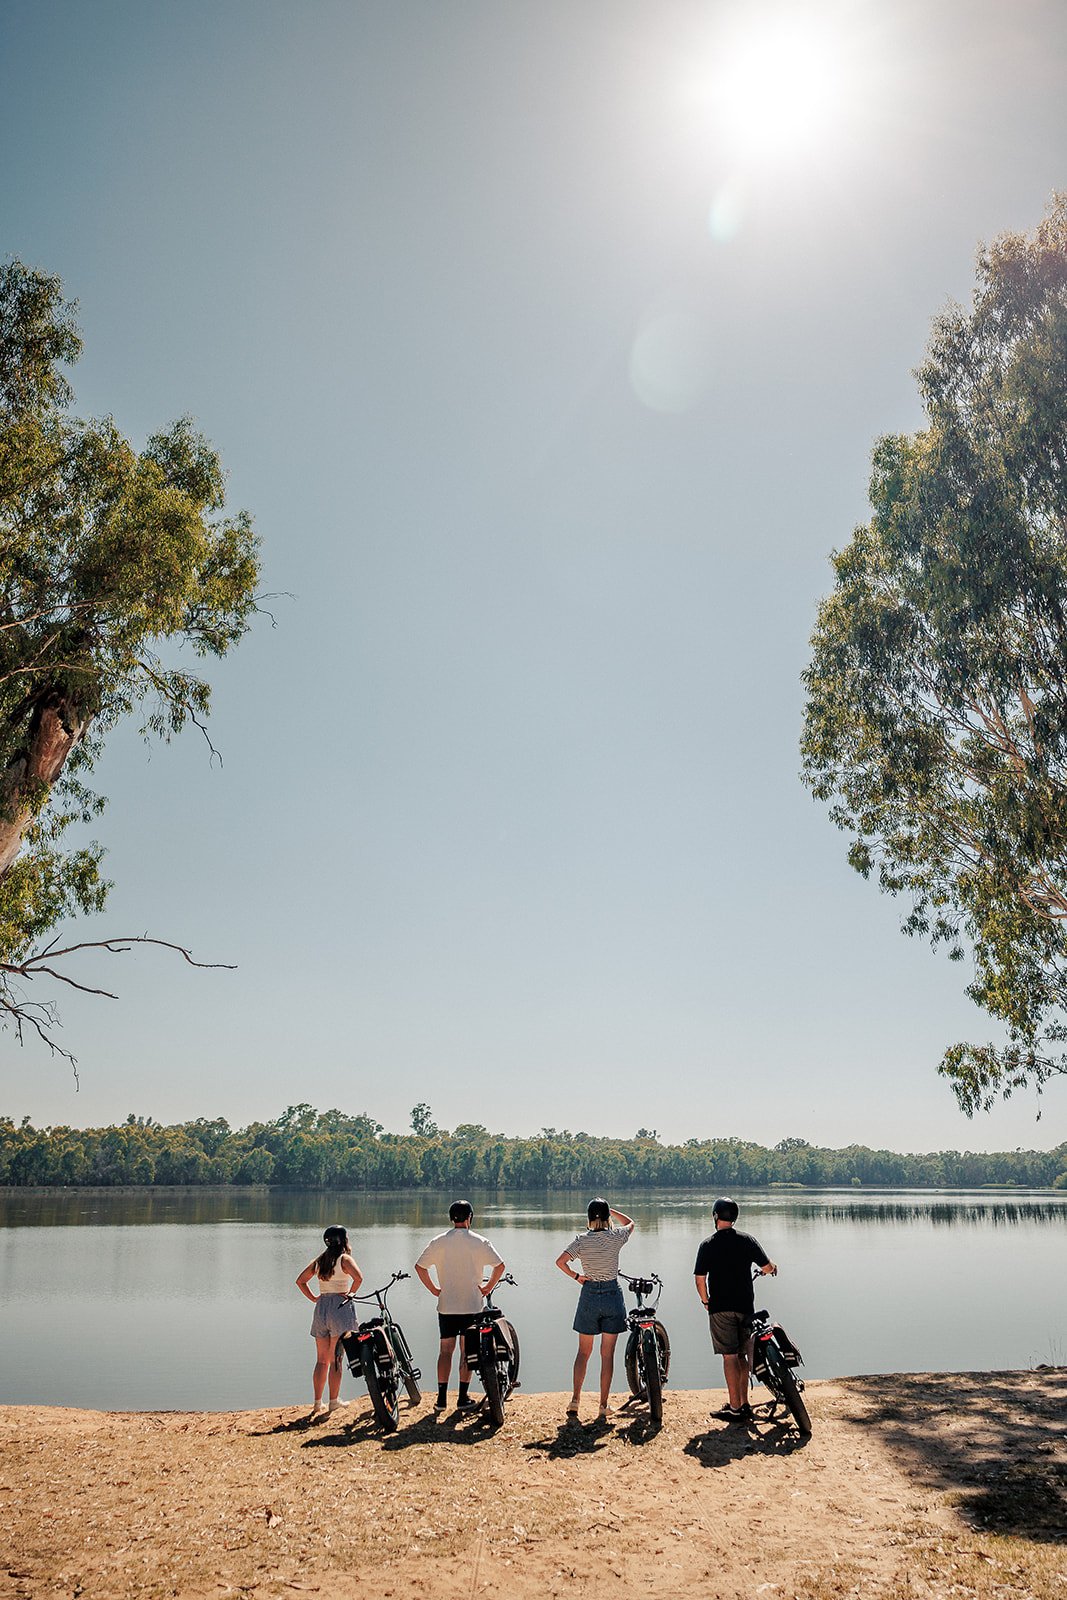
494, 1392
784, 1385
513, 1363
406, 1365
382, 1390
633, 1365
633, 1371
414, 1392
653, 1376
663, 1340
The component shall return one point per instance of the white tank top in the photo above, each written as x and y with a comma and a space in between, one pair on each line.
339, 1283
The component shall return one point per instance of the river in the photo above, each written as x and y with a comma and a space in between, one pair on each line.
185, 1299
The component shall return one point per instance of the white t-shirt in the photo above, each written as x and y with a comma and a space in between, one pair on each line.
461, 1258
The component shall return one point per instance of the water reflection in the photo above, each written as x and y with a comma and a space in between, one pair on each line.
427, 1208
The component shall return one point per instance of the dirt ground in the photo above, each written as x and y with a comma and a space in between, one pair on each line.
910, 1486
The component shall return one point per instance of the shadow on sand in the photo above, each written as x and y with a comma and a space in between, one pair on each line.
1001, 1436
768, 1434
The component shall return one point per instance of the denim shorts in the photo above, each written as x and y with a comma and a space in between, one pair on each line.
332, 1317
600, 1308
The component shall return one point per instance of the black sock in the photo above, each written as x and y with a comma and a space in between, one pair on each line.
442, 1393
463, 1391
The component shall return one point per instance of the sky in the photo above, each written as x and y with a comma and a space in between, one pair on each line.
547, 344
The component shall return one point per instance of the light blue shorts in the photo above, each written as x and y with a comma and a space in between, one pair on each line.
601, 1308
332, 1317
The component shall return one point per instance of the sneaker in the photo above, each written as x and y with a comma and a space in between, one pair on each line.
467, 1405
440, 1405
338, 1405
733, 1413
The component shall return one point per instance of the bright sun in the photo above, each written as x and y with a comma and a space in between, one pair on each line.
780, 84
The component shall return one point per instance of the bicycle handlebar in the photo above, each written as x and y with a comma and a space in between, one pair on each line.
372, 1294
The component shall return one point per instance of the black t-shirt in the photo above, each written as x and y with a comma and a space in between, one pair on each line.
726, 1260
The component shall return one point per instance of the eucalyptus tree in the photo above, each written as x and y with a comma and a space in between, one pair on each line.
936, 717
110, 558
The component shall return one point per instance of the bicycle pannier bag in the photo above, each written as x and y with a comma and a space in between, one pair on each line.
793, 1357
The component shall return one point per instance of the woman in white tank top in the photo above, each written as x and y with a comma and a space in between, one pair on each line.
338, 1276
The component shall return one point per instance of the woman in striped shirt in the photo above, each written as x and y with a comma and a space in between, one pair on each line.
600, 1305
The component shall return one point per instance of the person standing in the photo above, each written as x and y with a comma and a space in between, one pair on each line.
601, 1309
460, 1258
723, 1274
338, 1277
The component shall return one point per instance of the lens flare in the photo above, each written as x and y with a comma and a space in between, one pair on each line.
670, 361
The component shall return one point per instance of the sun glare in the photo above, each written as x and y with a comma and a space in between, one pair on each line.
780, 84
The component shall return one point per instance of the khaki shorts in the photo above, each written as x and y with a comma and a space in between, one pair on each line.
730, 1332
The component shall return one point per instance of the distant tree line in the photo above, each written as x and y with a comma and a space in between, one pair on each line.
309, 1149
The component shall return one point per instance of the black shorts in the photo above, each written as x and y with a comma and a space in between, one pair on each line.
730, 1331
451, 1323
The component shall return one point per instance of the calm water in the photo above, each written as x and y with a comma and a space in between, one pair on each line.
186, 1300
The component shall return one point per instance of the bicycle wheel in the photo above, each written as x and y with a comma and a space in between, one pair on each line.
664, 1344
406, 1365
379, 1369
633, 1366
653, 1380
514, 1355
784, 1385
494, 1392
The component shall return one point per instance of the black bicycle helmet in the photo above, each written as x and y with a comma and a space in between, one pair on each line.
725, 1209
598, 1211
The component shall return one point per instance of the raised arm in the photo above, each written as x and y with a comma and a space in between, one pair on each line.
627, 1222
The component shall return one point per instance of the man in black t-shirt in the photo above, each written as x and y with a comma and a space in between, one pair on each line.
723, 1275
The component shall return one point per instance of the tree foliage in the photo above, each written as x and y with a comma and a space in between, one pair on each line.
936, 719
309, 1149
422, 1122
110, 559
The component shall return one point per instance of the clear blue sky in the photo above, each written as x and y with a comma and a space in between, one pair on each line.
547, 343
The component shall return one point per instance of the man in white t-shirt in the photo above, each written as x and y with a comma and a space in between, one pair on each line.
460, 1259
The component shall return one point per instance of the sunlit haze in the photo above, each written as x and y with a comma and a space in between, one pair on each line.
547, 343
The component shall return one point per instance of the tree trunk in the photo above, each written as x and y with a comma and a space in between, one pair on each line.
55, 728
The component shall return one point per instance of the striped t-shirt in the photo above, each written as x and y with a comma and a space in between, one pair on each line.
599, 1249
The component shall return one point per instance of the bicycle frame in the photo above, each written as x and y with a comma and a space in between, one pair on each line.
648, 1346
773, 1361
492, 1350
384, 1320
490, 1317
378, 1352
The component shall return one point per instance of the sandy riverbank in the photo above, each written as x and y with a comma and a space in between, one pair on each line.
910, 1486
